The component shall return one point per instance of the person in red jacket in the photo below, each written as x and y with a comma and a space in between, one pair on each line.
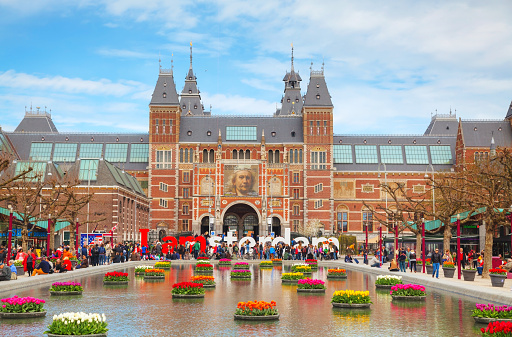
29, 262
67, 264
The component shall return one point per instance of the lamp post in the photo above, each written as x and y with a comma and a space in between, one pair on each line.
433, 188
48, 236
76, 237
423, 243
210, 219
380, 245
385, 180
9, 236
395, 222
459, 271
269, 218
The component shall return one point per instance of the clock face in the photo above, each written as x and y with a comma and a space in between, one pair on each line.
219, 146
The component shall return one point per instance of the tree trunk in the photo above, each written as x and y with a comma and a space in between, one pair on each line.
447, 237
51, 230
489, 239
72, 237
418, 245
24, 238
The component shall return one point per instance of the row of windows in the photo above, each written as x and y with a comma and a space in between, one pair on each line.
208, 156
273, 157
247, 133
186, 155
392, 154
165, 129
318, 160
67, 152
163, 159
316, 127
295, 156
481, 156
319, 188
319, 204
241, 154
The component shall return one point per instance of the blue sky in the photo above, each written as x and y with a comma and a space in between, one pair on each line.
388, 65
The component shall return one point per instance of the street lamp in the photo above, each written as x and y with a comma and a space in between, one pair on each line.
423, 242
385, 180
9, 236
211, 220
433, 188
380, 245
269, 218
48, 236
458, 247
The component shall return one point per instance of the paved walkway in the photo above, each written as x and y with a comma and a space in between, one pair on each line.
479, 289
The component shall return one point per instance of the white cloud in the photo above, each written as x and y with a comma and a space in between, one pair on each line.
237, 105
123, 53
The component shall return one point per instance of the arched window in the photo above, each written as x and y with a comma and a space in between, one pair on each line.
241, 154
342, 219
191, 158
270, 156
300, 156
235, 154
186, 156
181, 155
276, 157
291, 156
205, 156
297, 156
247, 154
212, 156
185, 209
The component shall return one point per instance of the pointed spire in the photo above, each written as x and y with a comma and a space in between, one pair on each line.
219, 140
493, 145
190, 54
292, 70
159, 63
172, 63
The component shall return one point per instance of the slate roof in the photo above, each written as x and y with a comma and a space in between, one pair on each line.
200, 125
509, 112
35, 121
317, 94
443, 125
23, 142
165, 89
394, 140
478, 133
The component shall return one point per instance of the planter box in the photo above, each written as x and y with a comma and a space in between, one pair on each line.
484, 320
310, 290
241, 267
351, 306
209, 285
257, 318
20, 271
449, 272
383, 286
73, 263
409, 298
154, 277
93, 335
65, 293
203, 271
290, 281
419, 268
266, 267
336, 277
112, 283
187, 296
248, 277
430, 269
497, 280
469, 275
18, 315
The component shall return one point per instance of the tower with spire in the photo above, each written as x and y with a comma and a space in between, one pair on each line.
291, 102
190, 101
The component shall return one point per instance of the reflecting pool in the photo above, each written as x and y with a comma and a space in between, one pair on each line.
146, 308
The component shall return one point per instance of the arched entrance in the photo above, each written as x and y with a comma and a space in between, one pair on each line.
205, 224
241, 218
276, 226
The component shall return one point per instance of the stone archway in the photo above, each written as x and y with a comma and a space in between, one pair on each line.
243, 218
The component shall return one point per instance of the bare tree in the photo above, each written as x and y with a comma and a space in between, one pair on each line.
8, 175
311, 228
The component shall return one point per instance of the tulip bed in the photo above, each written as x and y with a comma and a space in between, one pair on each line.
313, 263
225, 262
187, 288
154, 272
407, 290
78, 323
277, 261
241, 265
492, 311
141, 269
301, 268
266, 264
497, 329
351, 297
337, 272
21, 304
497, 271
203, 279
311, 284
241, 273
115, 276
388, 280
256, 308
204, 267
66, 286
163, 265
292, 276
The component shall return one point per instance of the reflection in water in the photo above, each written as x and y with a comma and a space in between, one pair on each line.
147, 309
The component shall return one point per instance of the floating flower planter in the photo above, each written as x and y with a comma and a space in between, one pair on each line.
206, 280
224, 262
337, 273
387, 281
408, 292
256, 311
163, 265
486, 313
497, 329
292, 278
22, 307
301, 268
139, 270
154, 274
66, 289
115, 278
203, 259
266, 264
241, 274
241, 265
187, 290
277, 261
204, 268
312, 263
78, 324
311, 286
351, 299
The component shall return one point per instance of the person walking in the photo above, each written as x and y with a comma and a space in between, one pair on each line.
412, 260
401, 260
102, 254
436, 261
30, 261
